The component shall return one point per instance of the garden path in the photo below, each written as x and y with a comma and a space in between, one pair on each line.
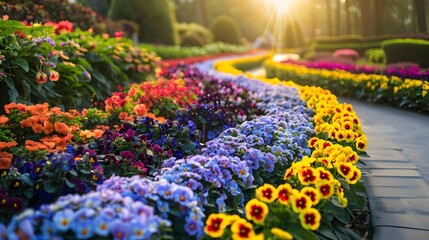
397, 170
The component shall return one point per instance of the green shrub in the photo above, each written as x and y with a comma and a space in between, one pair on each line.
355, 42
407, 50
293, 36
225, 29
192, 34
153, 16
375, 55
55, 11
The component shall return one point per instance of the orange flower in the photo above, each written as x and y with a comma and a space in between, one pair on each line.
54, 75
48, 127
41, 77
39, 109
5, 160
3, 120
37, 128
98, 133
62, 128
7, 144
140, 110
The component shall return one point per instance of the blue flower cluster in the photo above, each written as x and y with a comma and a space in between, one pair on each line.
171, 201
100, 214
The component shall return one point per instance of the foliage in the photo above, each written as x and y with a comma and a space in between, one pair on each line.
153, 16
375, 55
172, 52
407, 50
56, 11
193, 34
225, 29
68, 69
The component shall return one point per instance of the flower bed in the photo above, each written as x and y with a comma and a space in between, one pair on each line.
246, 154
401, 70
409, 94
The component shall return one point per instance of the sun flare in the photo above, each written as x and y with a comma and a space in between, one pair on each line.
281, 7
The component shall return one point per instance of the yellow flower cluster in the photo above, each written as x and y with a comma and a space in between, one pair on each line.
338, 122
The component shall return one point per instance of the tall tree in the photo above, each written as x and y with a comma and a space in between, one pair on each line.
348, 17
338, 17
329, 12
367, 19
420, 10
201, 12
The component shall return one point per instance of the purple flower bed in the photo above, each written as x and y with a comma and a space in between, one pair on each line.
401, 70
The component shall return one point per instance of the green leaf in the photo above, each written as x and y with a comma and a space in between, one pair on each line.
326, 230
27, 180
49, 187
26, 87
13, 94
351, 233
335, 209
299, 233
69, 184
22, 63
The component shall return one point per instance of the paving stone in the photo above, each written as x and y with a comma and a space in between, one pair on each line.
397, 192
416, 205
386, 154
412, 182
392, 233
415, 221
371, 164
393, 172
387, 204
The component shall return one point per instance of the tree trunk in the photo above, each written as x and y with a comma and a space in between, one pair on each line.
338, 20
348, 17
379, 15
367, 20
420, 10
329, 12
201, 12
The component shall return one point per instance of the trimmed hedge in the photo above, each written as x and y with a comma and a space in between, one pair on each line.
355, 42
153, 16
225, 29
407, 50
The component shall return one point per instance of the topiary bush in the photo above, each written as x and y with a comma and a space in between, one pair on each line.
407, 50
225, 29
192, 34
153, 16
